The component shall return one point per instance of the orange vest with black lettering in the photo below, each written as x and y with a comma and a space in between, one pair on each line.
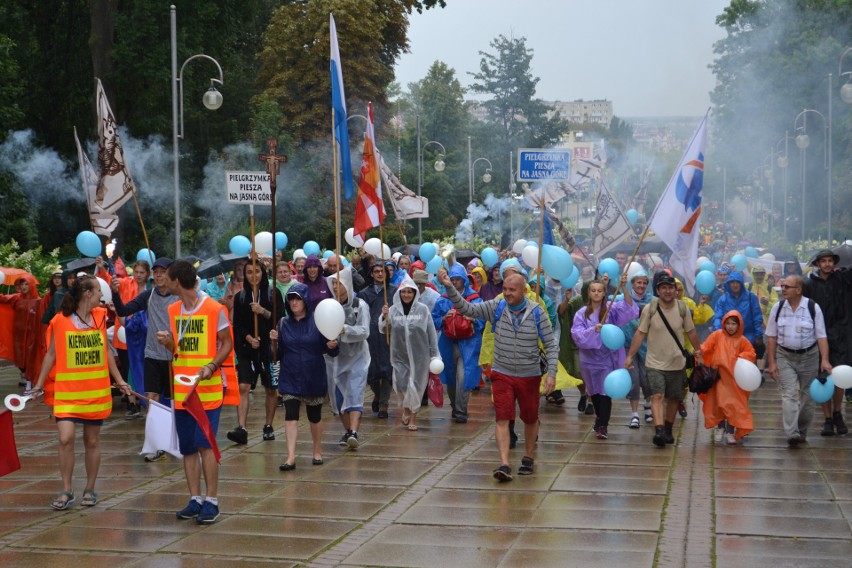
82, 388
195, 346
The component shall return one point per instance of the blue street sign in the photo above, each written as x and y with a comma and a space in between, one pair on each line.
541, 165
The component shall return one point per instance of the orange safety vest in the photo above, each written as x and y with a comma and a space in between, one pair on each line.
196, 344
82, 388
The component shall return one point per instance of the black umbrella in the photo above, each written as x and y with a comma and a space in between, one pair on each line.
844, 251
219, 264
651, 244
80, 264
413, 250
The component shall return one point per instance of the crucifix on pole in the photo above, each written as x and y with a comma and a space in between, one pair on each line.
273, 163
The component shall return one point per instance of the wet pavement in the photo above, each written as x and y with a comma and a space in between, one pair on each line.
427, 498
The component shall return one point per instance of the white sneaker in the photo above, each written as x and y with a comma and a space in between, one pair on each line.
717, 435
730, 439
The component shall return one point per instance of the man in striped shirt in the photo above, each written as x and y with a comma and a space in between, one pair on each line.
516, 375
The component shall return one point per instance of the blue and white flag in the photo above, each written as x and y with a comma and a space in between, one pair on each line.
338, 103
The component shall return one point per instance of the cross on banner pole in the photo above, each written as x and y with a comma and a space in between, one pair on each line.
273, 163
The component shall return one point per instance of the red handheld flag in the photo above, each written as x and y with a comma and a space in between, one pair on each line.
192, 404
9, 461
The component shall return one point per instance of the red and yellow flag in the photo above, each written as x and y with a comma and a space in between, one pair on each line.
369, 208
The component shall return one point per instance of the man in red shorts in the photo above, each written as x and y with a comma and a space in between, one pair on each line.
517, 324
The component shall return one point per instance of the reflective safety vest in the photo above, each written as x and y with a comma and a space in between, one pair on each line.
196, 342
82, 388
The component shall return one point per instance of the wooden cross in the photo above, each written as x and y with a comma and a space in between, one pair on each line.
273, 166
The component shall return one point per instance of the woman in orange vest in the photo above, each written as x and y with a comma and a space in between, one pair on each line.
78, 350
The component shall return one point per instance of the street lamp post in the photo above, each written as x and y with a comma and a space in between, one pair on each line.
803, 141
471, 166
783, 163
439, 167
212, 100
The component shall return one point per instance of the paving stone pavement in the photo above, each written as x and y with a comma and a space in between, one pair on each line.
427, 498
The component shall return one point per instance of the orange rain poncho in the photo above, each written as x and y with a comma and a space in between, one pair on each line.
21, 327
726, 400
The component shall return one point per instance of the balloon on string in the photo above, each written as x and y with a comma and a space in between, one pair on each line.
768, 256
146, 255
519, 245
700, 260
122, 334
572, 280
739, 261
427, 252
88, 243
280, 241
263, 242
531, 244
747, 375
239, 245
707, 265
311, 247
352, 239
434, 265
530, 256
556, 262
632, 216
345, 261
299, 253
489, 256
842, 376
436, 366
751, 252
618, 383
373, 246
2, 277
633, 269
106, 291
327, 254
612, 336
329, 318
609, 266
822, 392
705, 281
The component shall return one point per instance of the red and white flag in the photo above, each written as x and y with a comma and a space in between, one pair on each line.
369, 208
192, 404
676, 217
115, 186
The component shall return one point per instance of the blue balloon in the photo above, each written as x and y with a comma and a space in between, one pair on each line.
510, 262
707, 265
427, 252
88, 243
572, 280
609, 266
280, 241
612, 337
705, 281
327, 253
751, 252
822, 392
434, 264
739, 261
618, 383
556, 262
239, 245
311, 247
345, 261
531, 243
632, 216
146, 255
489, 256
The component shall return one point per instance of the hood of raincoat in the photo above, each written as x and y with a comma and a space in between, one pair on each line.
345, 277
499, 273
312, 260
737, 276
416, 265
734, 314
29, 279
301, 290
481, 272
407, 282
457, 271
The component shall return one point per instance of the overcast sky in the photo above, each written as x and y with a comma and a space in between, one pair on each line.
649, 57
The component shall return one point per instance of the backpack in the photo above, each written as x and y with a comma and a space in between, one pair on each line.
542, 355
811, 309
457, 326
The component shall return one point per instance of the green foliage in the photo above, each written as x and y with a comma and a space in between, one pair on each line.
11, 115
35, 261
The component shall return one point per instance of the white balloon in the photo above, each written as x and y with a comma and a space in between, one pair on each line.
436, 366
263, 242
530, 256
632, 269
386, 250
329, 318
701, 260
768, 256
2, 277
396, 256
747, 375
106, 292
122, 334
352, 239
373, 246
842, 376
519, 245
299, 253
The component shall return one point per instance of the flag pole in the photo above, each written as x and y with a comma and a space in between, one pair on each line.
632, 259
335, 147
384, 284
540, 245
254, 263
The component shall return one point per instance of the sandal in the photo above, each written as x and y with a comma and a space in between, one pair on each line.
412, 427
90, 498
405, 418
60, 504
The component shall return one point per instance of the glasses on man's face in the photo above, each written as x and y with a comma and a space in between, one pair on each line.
784, 287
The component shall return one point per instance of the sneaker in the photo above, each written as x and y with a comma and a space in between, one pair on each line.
668, 436
590, 409
191, 511
159, 455
503, 474
659, 440
352, 440
794, 440
730, 439
581, 406
556, 398
344, 440
634, 422
375, 405
839, 424
461, 419
526, 466
717, 435
133, 411
681, 409
208, 515
238, 435
601, 433
827, 428
268, 432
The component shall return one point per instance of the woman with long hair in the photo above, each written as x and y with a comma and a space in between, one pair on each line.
83, 363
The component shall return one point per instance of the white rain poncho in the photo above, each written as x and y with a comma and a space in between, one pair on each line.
347, 372
414, 343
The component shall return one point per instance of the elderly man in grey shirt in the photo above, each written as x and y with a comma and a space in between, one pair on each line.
517, 325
